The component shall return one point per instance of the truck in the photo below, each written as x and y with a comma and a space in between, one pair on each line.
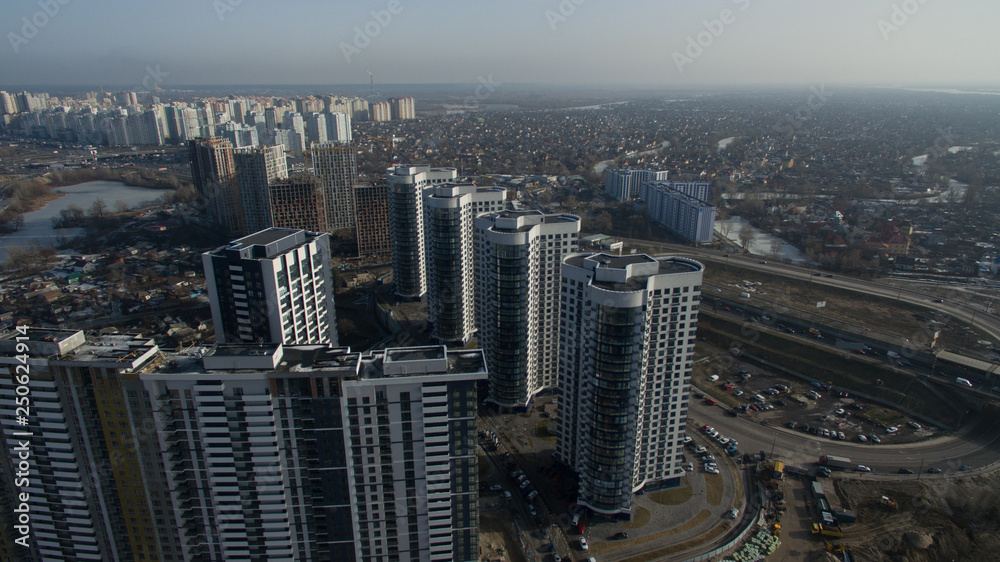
838, 463
892, 354
819, 529
844, 515
779, 470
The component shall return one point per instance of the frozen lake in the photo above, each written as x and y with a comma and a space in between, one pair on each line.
762, 242
38, 225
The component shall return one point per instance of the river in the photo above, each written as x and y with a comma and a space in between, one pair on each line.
38, 224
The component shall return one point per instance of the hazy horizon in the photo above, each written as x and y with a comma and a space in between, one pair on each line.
670, 44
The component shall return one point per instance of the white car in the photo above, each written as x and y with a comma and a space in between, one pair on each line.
891, 430
863, 468
712, 470
862, 438
734, 513
583, 545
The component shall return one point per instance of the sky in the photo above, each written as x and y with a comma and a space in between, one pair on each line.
625, 42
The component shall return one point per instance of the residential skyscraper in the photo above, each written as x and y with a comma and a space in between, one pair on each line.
316, 128
372, 204
298, 202
256, 168
402, 108
313, 453
626, 348
518, 258
406, 224
272, 286
381, 111
449, 211
338, 127
95, 488
214, 171
337, 167
623, 184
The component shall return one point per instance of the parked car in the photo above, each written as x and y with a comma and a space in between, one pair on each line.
583, 545
496, 488
734, 513
934, 470
841, 436
863, 468
913, 424
891, 430
862, 438
875, 439
620, 535
533, 495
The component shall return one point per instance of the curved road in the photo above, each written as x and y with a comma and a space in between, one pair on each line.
965, 313
977, 446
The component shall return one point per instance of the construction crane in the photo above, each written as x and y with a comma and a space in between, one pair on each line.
387, 141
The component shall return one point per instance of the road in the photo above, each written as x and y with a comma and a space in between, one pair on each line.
965, 313
977, 446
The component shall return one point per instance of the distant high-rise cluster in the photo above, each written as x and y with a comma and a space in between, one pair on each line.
626, 347
403, 108
131, 118
246, 452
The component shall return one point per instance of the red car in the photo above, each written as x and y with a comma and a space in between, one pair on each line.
727, 386
705, 427
711, 401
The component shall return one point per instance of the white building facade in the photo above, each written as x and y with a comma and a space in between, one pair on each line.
626, 349
518, 256
449, 211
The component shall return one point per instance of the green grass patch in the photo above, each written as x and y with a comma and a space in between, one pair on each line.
546, 429
673, 496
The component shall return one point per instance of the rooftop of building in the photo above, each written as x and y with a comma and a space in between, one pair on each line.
630, 272
267, 243
522, 221
330, 361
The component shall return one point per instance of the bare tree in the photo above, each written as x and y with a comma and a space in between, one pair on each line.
776, 244
121, 207
99, 208
746, 236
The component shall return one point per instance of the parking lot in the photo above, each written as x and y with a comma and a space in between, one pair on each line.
817, 408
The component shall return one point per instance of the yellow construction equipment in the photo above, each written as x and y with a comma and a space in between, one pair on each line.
819, 529
835, 548
777, 530
889, 503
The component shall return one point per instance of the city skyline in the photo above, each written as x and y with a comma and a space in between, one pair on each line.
552, 42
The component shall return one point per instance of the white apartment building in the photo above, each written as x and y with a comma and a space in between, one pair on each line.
406, 224
449, 210
314, 453
518, 257
626, 349
272, 286
623, 184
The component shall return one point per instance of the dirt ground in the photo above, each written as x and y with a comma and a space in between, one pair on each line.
935, 520
875, 313
495, 542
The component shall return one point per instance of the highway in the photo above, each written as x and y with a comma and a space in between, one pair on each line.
978, 446
963, 312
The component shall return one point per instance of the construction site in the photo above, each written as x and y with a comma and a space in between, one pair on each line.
866, 520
